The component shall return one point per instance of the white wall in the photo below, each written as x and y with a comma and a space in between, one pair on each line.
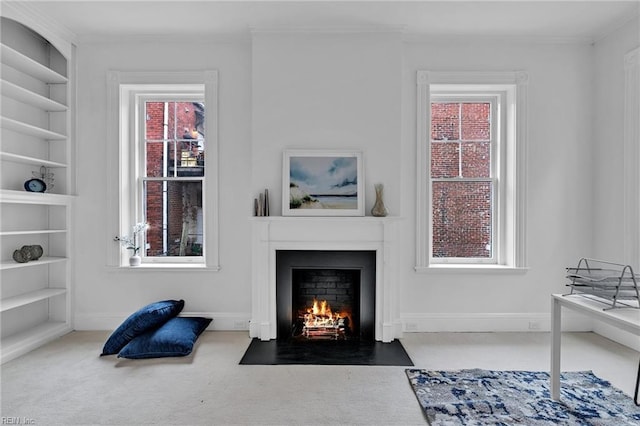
328, 91
608, 144
608, 135
103, 295
558, 219
351, 90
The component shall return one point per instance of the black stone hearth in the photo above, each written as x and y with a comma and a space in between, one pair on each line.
325, 352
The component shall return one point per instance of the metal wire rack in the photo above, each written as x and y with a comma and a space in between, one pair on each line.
611, 283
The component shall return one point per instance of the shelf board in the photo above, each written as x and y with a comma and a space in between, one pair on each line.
23, 63
24, 197
20, 343
16, 158
33, 232
29, 129
31, 297
28, 97
12, 264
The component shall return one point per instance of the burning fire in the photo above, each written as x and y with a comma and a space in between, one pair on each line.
320, 321
320, 311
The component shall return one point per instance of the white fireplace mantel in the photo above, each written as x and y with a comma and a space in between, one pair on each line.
274, 233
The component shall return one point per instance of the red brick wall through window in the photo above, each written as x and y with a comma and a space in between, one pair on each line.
172, 130
461, 210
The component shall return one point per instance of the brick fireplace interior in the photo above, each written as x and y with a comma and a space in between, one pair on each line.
325, 295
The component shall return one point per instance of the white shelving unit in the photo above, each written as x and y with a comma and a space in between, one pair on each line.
36, 125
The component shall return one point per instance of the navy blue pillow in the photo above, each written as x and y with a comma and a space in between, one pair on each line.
175, 338
146, 318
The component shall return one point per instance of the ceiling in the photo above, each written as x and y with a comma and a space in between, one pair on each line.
586, 20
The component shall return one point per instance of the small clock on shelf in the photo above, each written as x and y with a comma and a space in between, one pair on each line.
41, 181
35, 185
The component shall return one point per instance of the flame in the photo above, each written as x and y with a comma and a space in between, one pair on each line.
320, 315
323, 309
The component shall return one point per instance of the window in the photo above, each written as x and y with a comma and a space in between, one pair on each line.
168, 157
171, 174
471, 186
464, 177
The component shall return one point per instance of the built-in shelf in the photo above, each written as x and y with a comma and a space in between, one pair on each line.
21, 342
33, 232
25, 64
24, 197
30, 297
12, 264
29, 129
28, 97
16, 158
38, 101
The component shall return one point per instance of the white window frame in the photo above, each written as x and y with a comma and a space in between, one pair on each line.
126, 91
509, 221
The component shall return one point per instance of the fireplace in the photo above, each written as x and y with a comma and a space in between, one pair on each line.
325, 295
376, 313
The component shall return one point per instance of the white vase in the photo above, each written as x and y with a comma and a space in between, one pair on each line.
135, 260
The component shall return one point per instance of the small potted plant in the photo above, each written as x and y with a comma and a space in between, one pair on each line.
133, 243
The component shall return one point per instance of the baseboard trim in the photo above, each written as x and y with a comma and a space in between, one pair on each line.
409, 323
617, 335
490, 322
32, 340
511, 322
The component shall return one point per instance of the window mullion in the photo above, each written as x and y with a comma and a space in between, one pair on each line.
175, 157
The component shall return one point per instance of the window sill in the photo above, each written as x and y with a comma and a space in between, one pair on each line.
470, 269
180, 267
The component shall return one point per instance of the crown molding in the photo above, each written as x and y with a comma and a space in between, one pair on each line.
166, 38
382, 29
616, 25
493, 39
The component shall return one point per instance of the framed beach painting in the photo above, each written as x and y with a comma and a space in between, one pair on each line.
322, 183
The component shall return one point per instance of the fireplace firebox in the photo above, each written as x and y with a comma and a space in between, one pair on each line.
325, 295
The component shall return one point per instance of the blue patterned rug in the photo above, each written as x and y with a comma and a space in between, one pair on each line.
482, 397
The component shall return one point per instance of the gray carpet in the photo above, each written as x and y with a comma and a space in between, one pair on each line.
67, 383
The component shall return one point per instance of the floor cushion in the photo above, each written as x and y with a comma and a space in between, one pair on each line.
144, 319
175, 338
